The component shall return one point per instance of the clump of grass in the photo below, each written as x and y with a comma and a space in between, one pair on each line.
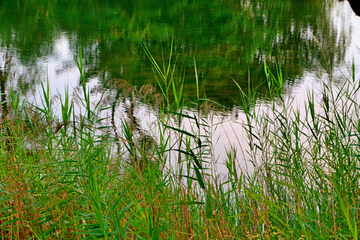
306, 179
58, 180
75, 174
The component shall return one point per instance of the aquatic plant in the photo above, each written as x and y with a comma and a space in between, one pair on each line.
75, 174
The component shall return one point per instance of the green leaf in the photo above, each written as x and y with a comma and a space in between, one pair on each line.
199, 177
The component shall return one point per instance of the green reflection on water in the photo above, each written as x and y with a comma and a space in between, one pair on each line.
227, 38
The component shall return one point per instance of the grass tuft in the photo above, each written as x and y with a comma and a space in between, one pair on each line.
70, 172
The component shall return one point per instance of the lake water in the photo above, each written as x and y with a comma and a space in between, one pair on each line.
229, 40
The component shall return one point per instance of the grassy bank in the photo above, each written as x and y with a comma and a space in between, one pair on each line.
71, 174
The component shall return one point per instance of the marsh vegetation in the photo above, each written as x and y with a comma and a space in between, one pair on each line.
76, 175
82, 163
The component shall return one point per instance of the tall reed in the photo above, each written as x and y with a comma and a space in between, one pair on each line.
68, 172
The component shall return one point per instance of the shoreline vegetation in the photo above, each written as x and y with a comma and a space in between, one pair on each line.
74, 174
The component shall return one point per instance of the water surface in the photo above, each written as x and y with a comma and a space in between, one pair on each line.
227, 39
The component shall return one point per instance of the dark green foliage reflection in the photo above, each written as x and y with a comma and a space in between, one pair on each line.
227, 38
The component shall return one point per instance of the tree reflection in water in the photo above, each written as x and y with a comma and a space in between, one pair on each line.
229, 39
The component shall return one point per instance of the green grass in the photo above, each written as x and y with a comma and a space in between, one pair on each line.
71, 176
